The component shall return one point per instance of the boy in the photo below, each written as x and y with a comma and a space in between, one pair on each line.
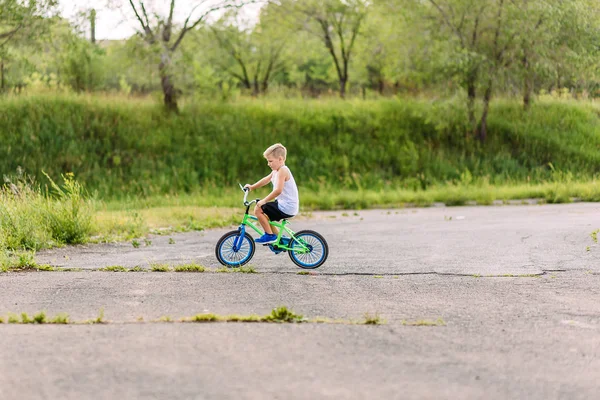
285, 193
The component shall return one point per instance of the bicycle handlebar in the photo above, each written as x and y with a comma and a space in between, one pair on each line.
246, 191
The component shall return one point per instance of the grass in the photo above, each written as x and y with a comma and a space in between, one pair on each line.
160, 268
425, 322
39, 318
386, 153
278, 315
114, 268
190, 268
372, 319
99, 319
245, 270
359, 145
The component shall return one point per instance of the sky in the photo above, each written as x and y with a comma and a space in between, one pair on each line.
116, 22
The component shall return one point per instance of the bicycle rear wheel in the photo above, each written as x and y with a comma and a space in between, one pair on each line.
317, 253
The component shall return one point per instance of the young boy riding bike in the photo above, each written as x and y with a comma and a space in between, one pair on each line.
283, 202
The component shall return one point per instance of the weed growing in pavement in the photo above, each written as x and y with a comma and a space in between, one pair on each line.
423, 322
99, 319
190, 268
25, 319
60, 319
282, 314
278, 315
245, 270
372, 319
39, 318
244, 318
13, 318
160, 268
113, 268
203, 318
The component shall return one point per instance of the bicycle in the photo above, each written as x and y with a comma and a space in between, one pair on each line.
307, 249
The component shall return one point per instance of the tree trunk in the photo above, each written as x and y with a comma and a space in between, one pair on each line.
527, 94
527, 86
471, 97
2, 80
343, 82
482, 134
166, 80
93, 26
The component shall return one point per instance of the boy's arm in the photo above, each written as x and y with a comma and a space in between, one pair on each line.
281, 177
260, 183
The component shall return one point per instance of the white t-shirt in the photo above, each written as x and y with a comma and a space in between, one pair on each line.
288, 201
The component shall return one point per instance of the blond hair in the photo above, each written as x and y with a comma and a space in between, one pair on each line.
277, 150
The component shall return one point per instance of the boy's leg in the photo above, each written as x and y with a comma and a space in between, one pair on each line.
263, 220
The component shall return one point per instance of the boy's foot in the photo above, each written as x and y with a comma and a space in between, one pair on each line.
266, 239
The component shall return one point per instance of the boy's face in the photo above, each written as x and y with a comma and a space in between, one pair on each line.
274, 162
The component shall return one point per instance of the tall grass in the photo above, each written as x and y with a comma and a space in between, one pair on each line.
32, 219
127, 148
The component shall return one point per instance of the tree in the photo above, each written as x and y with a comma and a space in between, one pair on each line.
479, 35
18, 21
337, 24
252, 56
18, 17
162, 33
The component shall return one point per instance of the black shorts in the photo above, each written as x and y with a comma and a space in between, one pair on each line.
273, 212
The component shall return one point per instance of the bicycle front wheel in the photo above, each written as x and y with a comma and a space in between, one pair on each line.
234, 250
309, 249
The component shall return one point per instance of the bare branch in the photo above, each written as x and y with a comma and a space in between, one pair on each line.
329, 44
145, 13
355, 33
10, 34
224, 5
145, 26
169, 26
448, 22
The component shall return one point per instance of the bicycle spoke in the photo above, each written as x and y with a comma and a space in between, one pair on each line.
231, 256
315, 253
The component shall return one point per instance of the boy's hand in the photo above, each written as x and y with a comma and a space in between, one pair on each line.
248, 186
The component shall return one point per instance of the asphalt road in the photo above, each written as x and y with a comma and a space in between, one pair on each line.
514, 291
457, 240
